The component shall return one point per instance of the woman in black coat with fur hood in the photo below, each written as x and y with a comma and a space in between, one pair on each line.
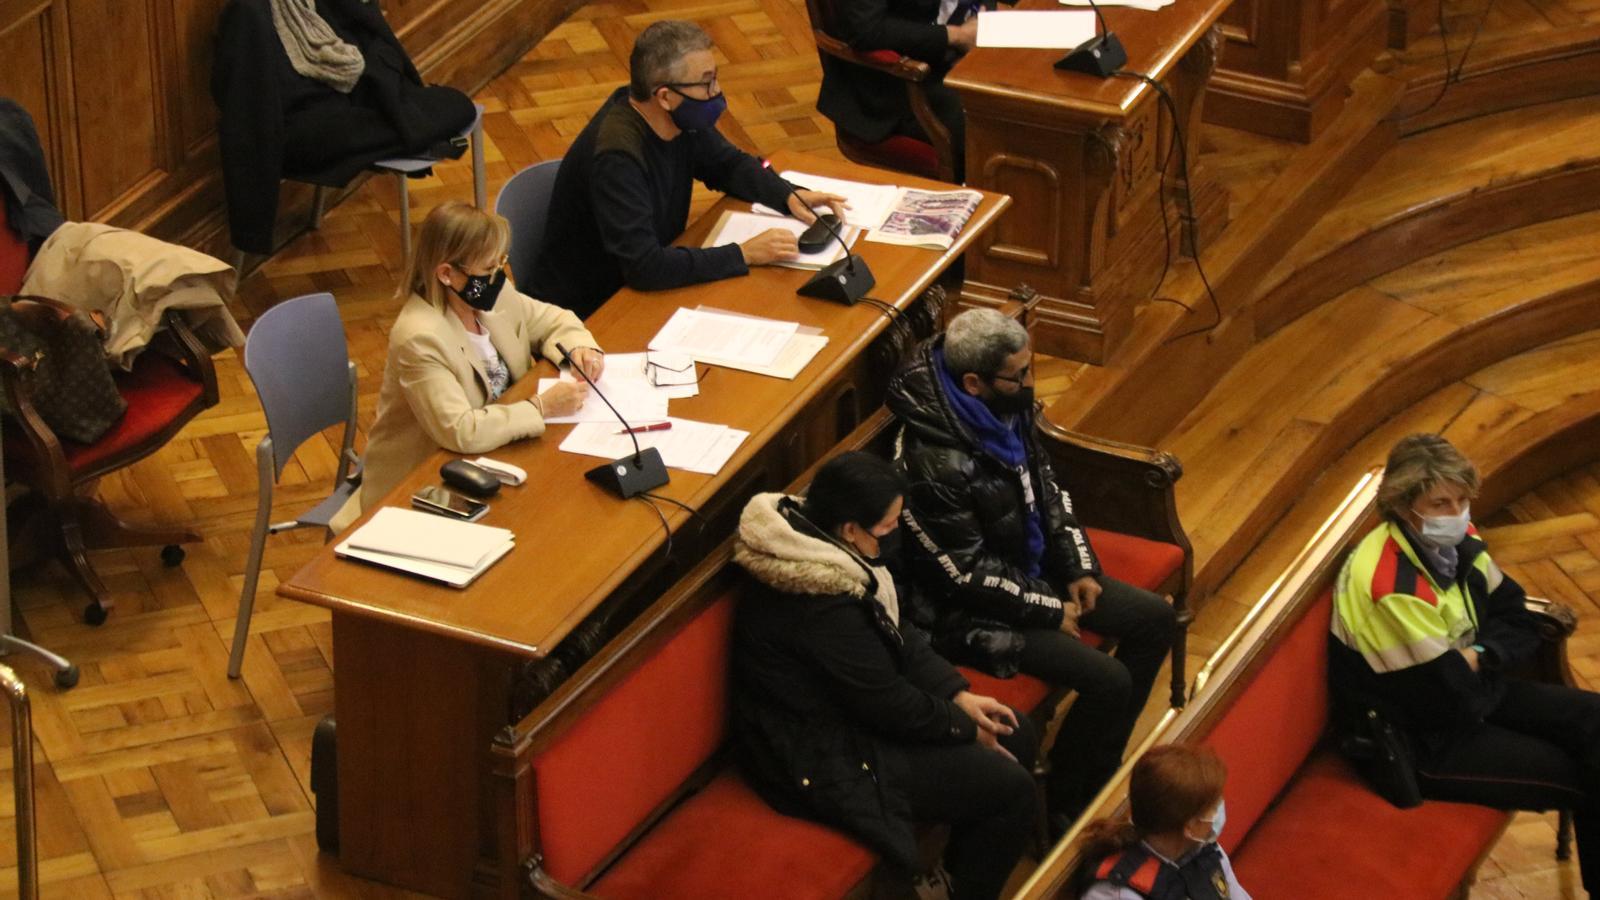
844, 715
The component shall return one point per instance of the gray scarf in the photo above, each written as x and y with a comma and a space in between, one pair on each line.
314, 49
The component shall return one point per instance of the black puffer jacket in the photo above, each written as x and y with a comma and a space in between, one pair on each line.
827, 686
966, 528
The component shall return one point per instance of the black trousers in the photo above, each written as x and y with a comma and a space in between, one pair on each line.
1539, 749
988, 801
1111, 690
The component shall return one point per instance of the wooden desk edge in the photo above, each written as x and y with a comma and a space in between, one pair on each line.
989, 209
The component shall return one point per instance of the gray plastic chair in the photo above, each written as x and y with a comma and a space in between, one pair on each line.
525, 202
406, 166
297, 357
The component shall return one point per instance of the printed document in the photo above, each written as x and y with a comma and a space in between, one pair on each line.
868, 204
723, 339
1049, 29
692, 446
738, 227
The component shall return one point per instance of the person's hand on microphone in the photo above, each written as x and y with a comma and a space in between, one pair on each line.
770, 246
563, 398
803, 204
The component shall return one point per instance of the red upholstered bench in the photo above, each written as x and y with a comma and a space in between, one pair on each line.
1302, 824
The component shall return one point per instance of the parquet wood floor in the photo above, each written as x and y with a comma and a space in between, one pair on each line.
157, 776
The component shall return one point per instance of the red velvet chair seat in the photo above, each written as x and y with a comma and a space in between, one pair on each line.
725, 842
1138, 561
158, 391
1329, 832
897, 152
14, 257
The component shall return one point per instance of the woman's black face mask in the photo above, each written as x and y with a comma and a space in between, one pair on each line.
481, 291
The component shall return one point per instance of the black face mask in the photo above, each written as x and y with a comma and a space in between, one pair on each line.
1011, 404
888, 547
481, 291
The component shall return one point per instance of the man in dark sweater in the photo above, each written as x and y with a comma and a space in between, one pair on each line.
622, 195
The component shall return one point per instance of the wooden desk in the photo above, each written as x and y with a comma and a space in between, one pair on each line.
1082, 157
424, 676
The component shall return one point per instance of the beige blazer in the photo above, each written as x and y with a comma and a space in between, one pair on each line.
436, 394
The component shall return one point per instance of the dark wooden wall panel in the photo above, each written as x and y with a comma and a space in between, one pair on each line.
120, 90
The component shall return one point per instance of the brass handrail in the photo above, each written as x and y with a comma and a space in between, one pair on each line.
22, 778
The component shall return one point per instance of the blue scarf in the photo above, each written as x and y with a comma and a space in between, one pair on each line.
1005, 441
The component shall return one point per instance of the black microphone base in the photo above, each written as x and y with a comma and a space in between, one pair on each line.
632, 474
1100, 56
845, 281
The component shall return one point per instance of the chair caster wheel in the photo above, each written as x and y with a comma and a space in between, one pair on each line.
94, 614
67, 677
172, 556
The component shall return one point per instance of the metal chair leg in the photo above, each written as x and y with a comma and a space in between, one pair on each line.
480, 190
405, 217
1564, 835
252, 566
319, 202
22, 777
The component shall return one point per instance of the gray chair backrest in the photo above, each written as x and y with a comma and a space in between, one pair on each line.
297, 357
525, 202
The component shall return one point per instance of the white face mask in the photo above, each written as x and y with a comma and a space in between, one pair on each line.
1446, 531
1217, 821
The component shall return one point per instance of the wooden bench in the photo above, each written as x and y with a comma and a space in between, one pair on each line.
1302, 823
617, 786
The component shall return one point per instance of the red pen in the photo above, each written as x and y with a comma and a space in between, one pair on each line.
646, 429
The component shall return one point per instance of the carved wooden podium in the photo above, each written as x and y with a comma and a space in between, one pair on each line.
1081, 158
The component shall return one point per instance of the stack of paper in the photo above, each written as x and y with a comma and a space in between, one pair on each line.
747, 343
420, 543
625, 385
692, 446
867, 204
1043, 29
738, 227
1147, 5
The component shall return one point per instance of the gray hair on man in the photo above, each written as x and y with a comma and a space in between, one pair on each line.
657, 53
979, 340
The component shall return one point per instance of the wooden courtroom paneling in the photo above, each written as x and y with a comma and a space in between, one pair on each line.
120, 90
1286, 64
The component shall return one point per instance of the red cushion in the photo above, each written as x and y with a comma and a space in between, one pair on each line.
884, 56
1140, 562
897, 152
1020, 692
725, 842
1330, 833
158, 391
637, 744
14, 256
1268, 732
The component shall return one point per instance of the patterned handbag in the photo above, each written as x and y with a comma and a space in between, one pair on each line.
69, 381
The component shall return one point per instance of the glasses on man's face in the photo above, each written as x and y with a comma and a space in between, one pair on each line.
710, 88
1018, 379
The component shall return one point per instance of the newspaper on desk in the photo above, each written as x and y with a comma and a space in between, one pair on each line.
701, 447
931, 219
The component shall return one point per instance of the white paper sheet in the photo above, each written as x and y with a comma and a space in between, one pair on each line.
1147, 5
689, 445
869, 204
635, 400
1050, 29
738, 227
724, 339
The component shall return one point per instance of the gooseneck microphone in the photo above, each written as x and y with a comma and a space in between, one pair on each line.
845, 281
1100, 55
628, 475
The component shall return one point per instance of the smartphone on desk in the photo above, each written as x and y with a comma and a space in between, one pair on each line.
440, 501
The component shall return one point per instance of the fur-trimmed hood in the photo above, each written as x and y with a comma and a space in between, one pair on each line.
777, 555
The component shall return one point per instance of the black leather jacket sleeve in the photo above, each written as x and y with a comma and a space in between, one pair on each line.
1067, 551
947, 552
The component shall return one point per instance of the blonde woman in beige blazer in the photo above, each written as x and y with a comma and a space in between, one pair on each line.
441, 376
